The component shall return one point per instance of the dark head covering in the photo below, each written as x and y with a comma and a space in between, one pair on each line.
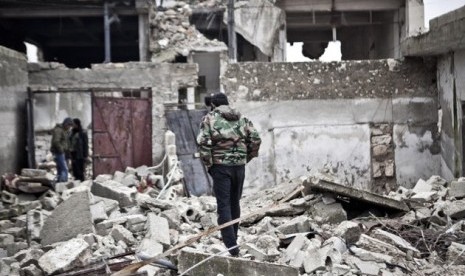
67, 121
219, 99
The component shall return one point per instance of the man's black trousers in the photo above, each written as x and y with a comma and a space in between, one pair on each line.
227, 185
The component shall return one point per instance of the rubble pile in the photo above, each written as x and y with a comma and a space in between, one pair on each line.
299, 229
173, 35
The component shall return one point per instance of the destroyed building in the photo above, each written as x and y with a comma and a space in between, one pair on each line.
389, 114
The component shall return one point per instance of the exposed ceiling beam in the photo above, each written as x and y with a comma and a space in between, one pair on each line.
61, 12
339, 5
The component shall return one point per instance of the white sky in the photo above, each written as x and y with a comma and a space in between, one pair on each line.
433, 8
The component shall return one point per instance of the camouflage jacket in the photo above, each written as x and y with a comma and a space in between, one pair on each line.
227, 138
60, 140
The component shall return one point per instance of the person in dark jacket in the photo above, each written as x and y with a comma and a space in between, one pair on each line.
79, 150
60, 148
227, 141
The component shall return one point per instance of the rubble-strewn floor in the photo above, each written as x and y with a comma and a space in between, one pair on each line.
96, 227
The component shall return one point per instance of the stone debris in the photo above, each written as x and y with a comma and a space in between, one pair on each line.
316, 230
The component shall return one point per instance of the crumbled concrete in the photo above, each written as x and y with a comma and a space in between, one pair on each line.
64, 256
395, 240
378, 246
455, 209
457, 189
35, 222
116, 191
119, 233
230, 266
349, 231
98, 212
299, 224
455, 253
158, 229
332, 213
61, 226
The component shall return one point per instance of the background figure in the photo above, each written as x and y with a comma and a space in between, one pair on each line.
227, 141
60, 148
79, 150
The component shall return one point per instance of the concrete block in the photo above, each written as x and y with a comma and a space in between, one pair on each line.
6, 239
298, 260
378, 246
28, 256
314, 260
60, 187
455, 209
258, 253
457, 189
333, 213
130, 170
118, 176
70, 218
173, 217
130, 180
229, 266
68, 193
65, 256
158, 229
4, 268
349, 231
9, 198
367, 255
455, 253
18, 232
368, 268
50, 200
103, 177
208, 220
33, 173
35, 222
98, 212
422, 197
5, 224
119, 233
110, 204
148, 248
297, 245
298, 224
14, 248
31, 270
114, 190
422, 186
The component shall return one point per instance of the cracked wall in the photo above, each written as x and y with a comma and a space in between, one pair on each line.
320, 116
13, 90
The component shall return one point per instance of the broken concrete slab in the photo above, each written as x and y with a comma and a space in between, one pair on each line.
349, 231
65, 256
70, 218
332, 213
33, 173
317, 184
158, 229
394, 240
455, 209
230, 266
422, 197
98, 212
455, 253
378, 246
119, 233
298, 244
368, 268
28, 256
457, 189
422, 186
115, 190
35, 222
298, 224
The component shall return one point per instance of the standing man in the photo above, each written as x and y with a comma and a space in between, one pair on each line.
227, 141
60, 148
79, 150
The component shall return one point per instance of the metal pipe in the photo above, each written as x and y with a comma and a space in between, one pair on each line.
106, 26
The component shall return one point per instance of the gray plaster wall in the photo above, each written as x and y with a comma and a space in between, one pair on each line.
446, 84
13, 91
306, 126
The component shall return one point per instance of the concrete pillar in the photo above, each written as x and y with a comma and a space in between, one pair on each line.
191, 98
143, 37
415, 17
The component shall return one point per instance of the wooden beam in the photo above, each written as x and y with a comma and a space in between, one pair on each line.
339, 5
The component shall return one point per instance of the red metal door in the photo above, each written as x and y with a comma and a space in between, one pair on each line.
122, 134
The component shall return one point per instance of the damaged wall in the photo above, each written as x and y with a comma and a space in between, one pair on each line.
164, 80
319, 116
451, 85
13, 90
